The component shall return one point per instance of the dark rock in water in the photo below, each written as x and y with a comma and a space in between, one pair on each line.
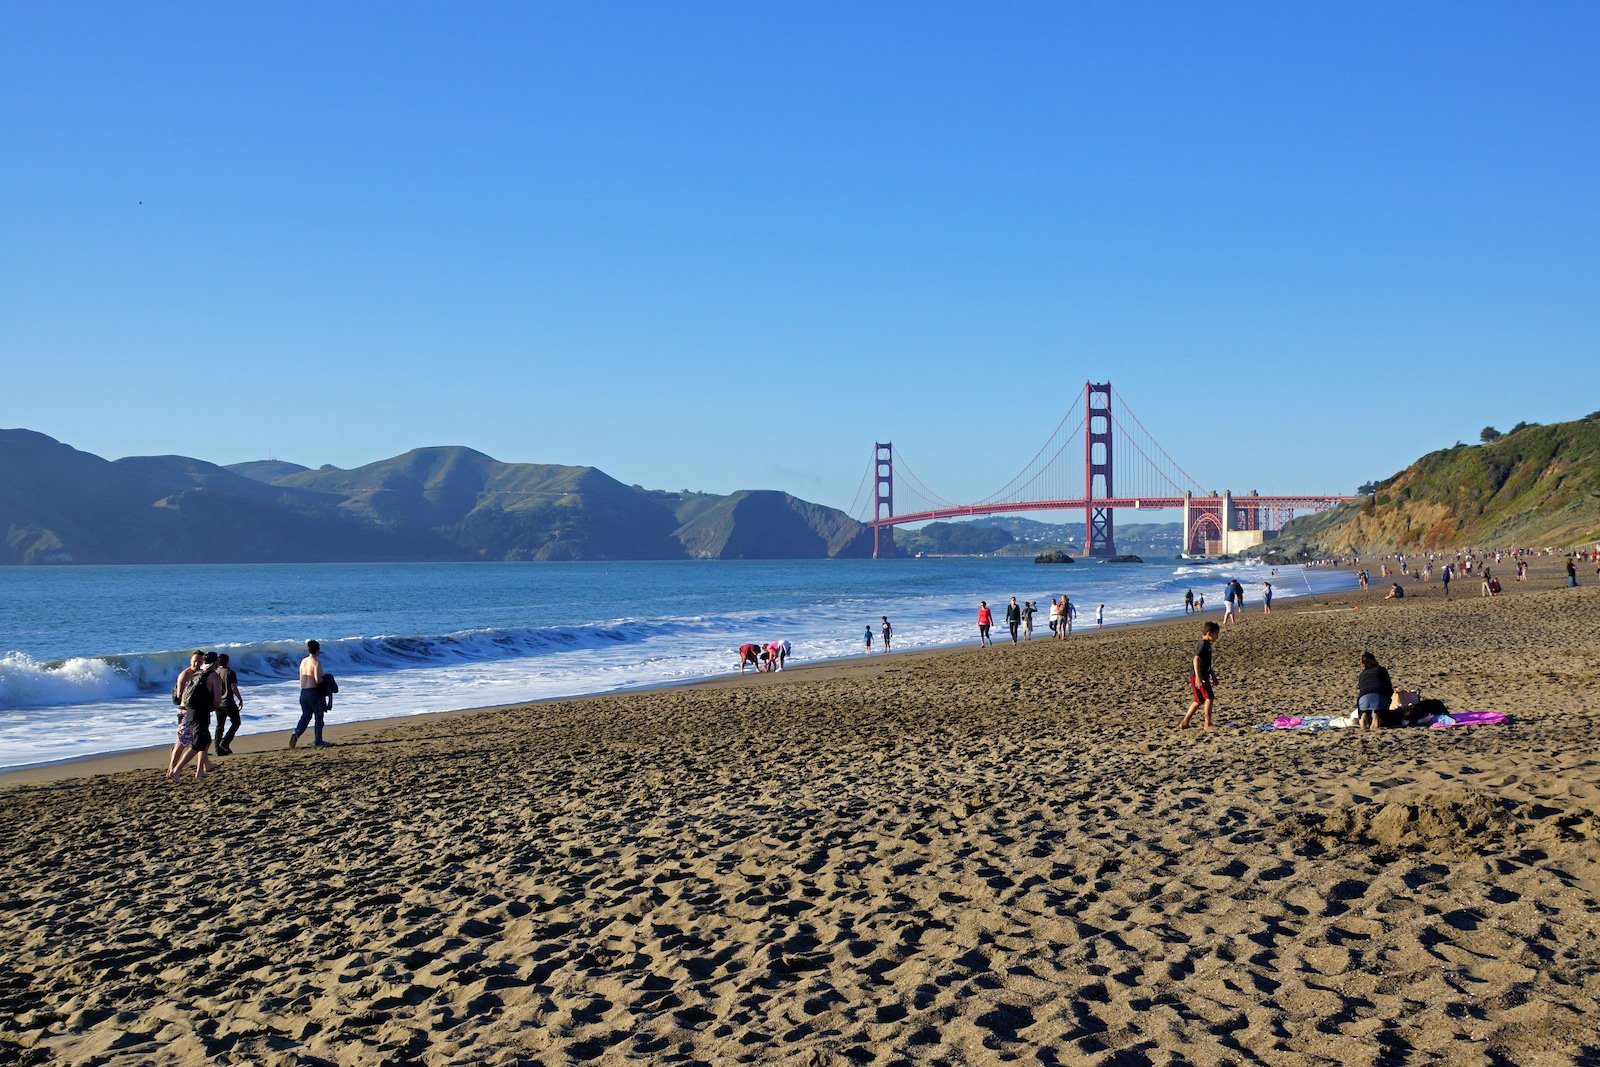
1122, 559
1053, 556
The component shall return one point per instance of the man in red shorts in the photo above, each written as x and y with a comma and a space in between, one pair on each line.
1202, 679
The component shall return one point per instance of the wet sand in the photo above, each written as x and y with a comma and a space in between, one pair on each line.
956, 857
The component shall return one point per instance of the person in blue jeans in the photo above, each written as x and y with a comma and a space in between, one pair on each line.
1374, 692
313, 697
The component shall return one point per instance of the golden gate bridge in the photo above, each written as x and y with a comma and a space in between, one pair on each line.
1124, 467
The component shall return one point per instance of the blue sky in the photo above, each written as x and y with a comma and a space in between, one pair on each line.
719, 246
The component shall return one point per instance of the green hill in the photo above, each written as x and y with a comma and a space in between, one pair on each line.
1538, 486
59, 505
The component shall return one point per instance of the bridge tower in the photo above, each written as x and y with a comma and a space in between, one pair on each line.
883, 495
1098, 537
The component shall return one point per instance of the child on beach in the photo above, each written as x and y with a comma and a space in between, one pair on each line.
869, 639
1202, 679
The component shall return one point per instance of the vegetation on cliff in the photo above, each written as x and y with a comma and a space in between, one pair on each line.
1531, 486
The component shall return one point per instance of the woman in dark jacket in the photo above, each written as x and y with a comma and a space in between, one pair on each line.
1374, 691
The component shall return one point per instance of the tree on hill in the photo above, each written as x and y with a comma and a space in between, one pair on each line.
1367, 488
1489, 433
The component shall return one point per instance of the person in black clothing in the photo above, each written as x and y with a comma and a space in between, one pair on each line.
1188, 601
1374, 692
1202, 679
1014, 619
1396, 592
1572, 573
228, 710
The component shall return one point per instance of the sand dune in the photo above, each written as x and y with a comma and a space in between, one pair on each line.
966, 857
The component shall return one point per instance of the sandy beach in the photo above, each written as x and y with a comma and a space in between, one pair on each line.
963, 857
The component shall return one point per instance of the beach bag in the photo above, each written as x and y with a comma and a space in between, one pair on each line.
198, 701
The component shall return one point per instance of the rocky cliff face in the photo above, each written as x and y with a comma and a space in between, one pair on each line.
60, 505
1537, 486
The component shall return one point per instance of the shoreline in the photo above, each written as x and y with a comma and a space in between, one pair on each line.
155, 756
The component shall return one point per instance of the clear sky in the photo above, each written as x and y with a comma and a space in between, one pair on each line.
729, 245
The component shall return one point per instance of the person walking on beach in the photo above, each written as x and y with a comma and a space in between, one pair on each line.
1266, 598
1202, 678
1572, 573
232, 704
1055, 616
1013, 619
313, 699
185, 733
1188, 601
1447, 568
985, 620
887, 632
1227, 604
1068, 613
199, 692
1374, 691
1028, 610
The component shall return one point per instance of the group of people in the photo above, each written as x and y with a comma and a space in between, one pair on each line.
766, 657
1019, 619
1374, 690
1232, 600
208, 688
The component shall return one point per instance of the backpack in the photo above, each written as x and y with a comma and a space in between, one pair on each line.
198, 700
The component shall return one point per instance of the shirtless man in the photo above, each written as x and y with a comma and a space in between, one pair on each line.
313, 702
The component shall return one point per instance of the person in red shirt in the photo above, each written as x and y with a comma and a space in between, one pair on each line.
749, 653
985, 620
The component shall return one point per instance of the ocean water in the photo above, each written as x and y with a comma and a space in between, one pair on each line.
88, 654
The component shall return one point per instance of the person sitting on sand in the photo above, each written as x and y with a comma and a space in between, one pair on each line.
1202, 679
1374, 691
1396, 592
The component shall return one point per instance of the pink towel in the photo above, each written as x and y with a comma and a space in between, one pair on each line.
1473, 718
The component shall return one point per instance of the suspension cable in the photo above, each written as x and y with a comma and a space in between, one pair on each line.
1193, 483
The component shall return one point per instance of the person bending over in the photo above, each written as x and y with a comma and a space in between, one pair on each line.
1374, 691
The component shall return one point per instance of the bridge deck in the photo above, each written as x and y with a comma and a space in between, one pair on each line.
1146, 503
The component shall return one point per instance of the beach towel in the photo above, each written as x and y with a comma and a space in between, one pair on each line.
1469, 718
1309, 722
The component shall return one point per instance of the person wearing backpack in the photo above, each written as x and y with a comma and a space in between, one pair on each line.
228, 710
313, 697
198, 693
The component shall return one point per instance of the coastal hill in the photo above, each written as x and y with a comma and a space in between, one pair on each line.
1533, 486
1012, 535
60, 505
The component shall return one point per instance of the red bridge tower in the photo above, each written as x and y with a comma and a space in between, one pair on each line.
883, 496
1098, 537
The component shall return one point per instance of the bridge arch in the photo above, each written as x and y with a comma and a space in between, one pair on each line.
1202, 521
